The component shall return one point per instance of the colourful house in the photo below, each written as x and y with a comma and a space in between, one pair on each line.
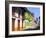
19, 15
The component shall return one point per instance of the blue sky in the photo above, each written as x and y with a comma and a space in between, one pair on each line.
34, 10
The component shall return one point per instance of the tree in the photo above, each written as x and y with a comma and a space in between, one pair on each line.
28, 16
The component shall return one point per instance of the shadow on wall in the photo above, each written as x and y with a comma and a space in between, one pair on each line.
13, 37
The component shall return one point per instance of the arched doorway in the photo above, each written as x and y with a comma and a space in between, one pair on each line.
16, 19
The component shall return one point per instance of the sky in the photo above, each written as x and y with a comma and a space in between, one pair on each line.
34, 10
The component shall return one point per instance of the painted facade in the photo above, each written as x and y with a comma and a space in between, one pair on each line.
18, 19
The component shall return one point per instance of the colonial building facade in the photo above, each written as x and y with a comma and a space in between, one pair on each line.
17, 18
